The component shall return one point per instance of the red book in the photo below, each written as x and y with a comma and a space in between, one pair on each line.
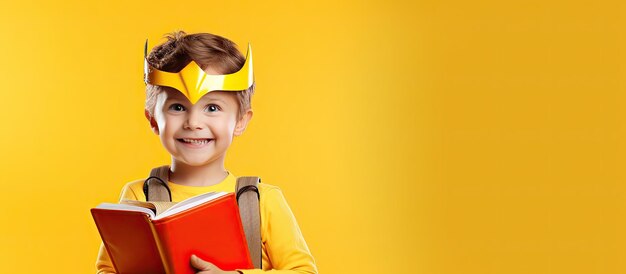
140, 241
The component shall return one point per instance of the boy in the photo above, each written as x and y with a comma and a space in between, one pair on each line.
197, 129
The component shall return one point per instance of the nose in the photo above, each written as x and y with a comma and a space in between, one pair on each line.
193, 120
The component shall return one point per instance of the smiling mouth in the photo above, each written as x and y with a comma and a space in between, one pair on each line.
194, 141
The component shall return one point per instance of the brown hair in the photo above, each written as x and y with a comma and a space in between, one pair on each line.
208, 50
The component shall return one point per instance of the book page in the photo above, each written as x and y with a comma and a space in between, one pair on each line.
161, 207
156, 206
189, 203
126, 207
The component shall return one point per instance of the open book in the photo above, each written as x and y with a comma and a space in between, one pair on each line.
160, 237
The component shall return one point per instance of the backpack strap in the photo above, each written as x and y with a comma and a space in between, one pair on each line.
155, 187
248, 200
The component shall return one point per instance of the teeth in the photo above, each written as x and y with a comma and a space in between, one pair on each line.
203, 141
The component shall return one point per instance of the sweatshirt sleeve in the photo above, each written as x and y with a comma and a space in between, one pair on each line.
286, 249
103, 262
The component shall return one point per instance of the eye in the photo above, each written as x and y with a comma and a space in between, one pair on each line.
212, 108
177, 107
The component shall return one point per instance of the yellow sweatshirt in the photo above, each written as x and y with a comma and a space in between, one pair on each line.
283, 247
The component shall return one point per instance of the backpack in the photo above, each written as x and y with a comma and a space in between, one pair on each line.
156, 189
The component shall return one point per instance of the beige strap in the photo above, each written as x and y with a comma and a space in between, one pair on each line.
155, 187
248, 200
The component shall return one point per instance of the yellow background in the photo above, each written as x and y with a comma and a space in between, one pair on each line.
412, 137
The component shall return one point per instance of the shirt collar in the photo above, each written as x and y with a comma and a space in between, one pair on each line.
226, 185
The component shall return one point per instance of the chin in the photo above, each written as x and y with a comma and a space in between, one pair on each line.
196, 163
196, 160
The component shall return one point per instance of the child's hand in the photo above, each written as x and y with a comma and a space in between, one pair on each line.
205, 267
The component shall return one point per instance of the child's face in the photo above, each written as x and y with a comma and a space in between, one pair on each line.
200, 133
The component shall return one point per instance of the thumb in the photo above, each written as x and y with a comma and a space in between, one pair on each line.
199, 264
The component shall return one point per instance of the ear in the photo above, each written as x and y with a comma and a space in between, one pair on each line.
153, 123
241, 125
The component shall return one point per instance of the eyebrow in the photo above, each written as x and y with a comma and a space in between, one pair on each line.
217, 99
175, 98
182, 98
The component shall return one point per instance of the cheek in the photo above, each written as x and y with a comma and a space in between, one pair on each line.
231, 125
168, 124
162, 123
159, 116
226, 128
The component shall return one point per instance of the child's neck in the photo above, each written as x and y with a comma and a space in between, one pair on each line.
207, 175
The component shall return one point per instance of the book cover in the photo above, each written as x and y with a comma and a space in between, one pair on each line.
139, 240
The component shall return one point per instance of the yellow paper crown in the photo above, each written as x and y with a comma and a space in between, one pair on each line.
194, 83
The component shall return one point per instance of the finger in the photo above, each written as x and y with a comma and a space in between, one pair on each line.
200, 264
